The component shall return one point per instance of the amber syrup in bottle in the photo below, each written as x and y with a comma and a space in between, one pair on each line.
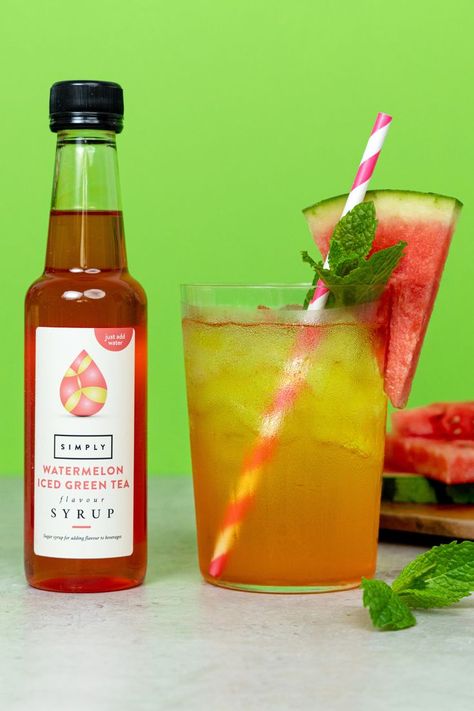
85, 366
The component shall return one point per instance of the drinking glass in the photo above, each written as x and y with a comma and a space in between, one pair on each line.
287, 422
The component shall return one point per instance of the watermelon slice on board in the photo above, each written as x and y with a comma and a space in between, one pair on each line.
451, 462
442, 420
426, 222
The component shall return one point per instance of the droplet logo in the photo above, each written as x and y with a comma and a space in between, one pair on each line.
83, 390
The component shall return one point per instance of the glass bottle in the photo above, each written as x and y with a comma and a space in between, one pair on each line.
85, 366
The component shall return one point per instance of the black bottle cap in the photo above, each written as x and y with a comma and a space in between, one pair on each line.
86, 104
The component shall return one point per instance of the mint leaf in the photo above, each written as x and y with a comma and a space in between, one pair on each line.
413, 574
387, 611
439, 577
352, 278
352, 238
453, 561
432, 597
309, 260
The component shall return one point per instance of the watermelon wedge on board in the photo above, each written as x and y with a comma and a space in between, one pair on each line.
450, 462
442, 420
426, 222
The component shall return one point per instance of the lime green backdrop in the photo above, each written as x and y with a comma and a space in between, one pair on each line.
238, 114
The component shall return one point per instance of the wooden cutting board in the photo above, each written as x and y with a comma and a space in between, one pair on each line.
450, 520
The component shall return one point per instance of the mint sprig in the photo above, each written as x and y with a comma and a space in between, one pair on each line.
353, 277
438, 578
387, 611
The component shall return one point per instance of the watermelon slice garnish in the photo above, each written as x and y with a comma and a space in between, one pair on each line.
442, 420
426, 222
449, 461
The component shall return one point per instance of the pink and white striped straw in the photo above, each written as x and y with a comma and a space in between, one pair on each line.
358, 191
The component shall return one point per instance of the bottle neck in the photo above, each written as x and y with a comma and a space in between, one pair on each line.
86, 227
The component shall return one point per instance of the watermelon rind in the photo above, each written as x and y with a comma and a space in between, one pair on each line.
408, 488
420, 202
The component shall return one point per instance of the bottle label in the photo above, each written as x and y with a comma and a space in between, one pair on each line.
84, 442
